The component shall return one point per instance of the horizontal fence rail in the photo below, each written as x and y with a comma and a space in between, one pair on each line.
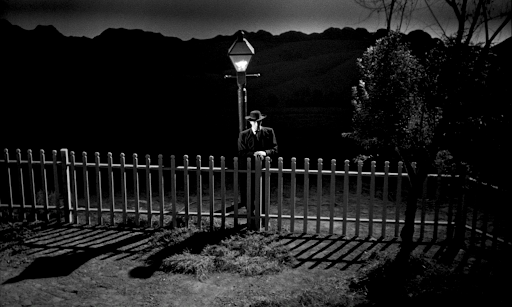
92, 191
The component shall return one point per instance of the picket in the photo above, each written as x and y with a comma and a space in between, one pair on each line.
267, 192
161, 189
44, 187
358, 196
235, 192
66, 190
293, 192
31, 182
223, 192
398, 202
173, 191
111, 188
280, 194
136, 189
211, 191
74, 193
63, 195
319, 195
21, 186
385, 195
332, 199
56, 184
124, 195
372, 200
345, 198
149, 192
186, 190
9, 180
306, 195
86, 188
99, 198
199, 191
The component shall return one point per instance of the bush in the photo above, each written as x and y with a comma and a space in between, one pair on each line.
200, 252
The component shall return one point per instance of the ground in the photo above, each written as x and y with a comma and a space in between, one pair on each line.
104, 266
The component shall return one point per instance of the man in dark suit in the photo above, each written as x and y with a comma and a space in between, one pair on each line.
257, 142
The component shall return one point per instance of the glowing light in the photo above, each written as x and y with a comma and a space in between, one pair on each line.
241, 65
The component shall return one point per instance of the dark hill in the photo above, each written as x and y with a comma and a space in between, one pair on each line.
137, 91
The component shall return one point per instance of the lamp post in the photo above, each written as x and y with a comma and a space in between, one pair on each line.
240, 54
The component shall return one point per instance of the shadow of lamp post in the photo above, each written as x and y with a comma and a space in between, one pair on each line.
240, 54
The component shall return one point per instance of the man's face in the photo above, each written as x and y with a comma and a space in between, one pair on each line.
255, 125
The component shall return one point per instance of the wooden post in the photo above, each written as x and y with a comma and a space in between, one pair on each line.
385, 199
173, 191
124, 195
345, 197
99, 196
186, 190
398, 199
21, 187
86, 189
333, 196
223, 192
372, 200
292, 195
149, 192
306, 195
235, 191
74, 199
212, 192
161, 188
267, 192
56, 192
319, 195
136, 189
257, 190
43, 185
250, 204
111, 188
66, 187
9, 182
358, 193
31, 182
199, 191
279, 193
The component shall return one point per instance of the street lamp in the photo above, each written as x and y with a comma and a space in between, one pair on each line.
240, 54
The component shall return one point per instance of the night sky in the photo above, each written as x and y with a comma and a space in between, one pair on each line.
203, 19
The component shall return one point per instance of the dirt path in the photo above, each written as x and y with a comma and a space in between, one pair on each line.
77, 266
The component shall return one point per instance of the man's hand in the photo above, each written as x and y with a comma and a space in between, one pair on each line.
260, 154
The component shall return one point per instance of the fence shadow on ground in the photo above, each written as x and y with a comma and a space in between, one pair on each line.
61, 249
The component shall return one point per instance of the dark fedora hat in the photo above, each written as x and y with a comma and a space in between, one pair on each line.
255, 116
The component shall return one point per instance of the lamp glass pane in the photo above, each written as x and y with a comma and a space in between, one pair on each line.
240, 62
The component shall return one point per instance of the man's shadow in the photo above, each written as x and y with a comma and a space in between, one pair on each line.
65, 264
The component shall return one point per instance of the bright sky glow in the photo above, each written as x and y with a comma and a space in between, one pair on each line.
202, 19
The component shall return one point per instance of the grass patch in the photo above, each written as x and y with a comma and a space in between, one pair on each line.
201, 252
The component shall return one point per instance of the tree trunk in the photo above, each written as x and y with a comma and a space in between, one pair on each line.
416, 179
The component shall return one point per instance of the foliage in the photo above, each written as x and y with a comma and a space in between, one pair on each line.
391, 111
247, 253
